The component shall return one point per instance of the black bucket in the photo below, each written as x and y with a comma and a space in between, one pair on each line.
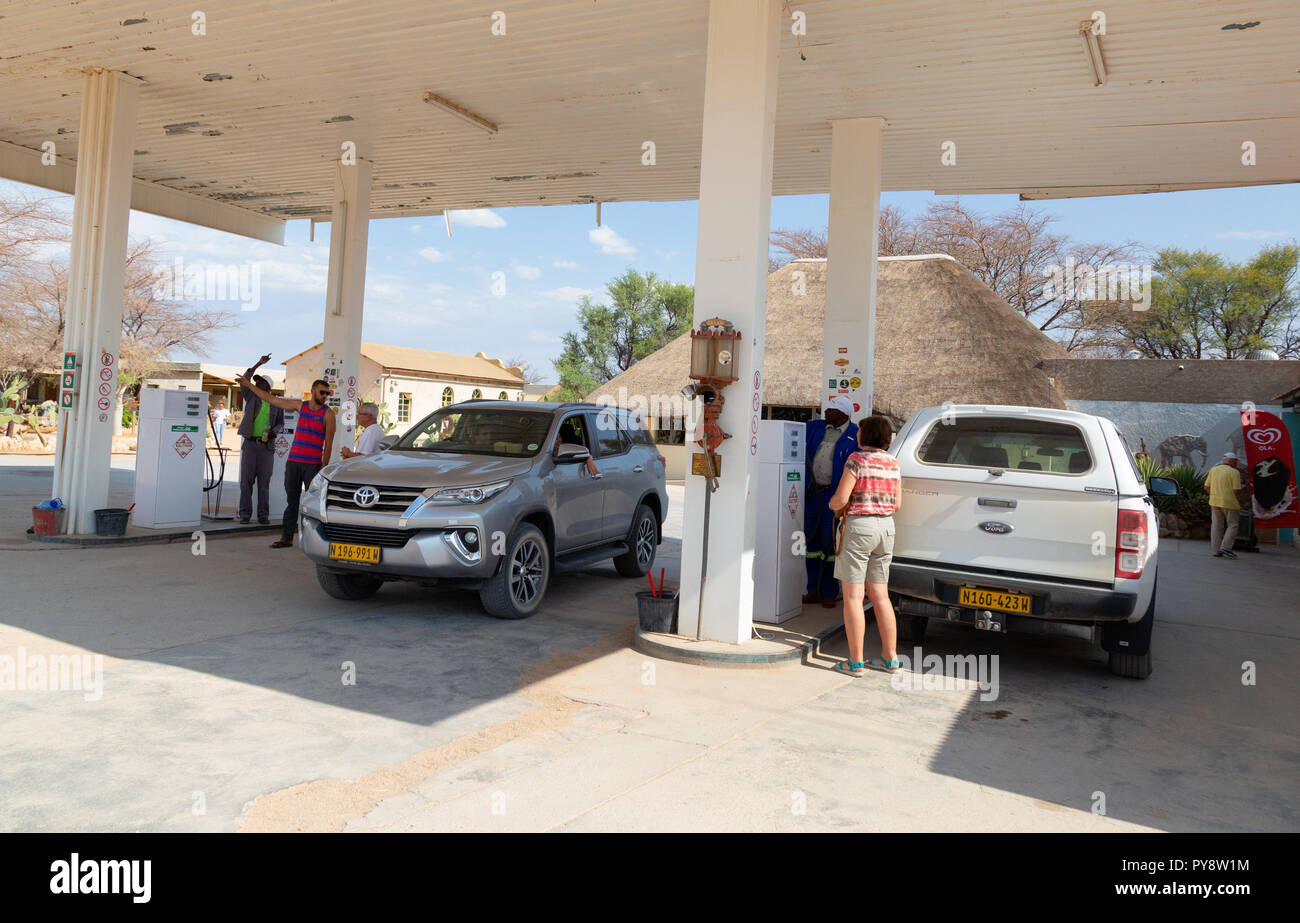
111, 521
657, 613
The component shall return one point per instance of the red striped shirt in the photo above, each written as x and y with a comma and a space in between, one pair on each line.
879, 483
309, 435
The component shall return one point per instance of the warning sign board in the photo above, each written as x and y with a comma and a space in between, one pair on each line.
183, 446
281, 446
698, 464
792, 503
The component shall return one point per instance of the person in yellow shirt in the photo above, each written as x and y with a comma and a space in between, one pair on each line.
1223, 482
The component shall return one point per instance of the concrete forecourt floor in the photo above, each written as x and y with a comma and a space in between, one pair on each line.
224, 707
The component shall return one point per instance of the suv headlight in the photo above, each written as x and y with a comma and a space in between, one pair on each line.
466, 494
318, 482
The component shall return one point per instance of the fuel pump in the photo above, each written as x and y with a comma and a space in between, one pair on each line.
713, 367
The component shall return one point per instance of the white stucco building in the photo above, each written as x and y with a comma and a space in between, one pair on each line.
413, 382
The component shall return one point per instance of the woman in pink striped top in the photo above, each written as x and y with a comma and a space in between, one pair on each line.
869, 493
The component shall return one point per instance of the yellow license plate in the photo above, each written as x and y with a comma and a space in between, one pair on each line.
992, 599
355, 554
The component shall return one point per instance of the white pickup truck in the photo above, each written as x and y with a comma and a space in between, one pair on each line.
1025, 513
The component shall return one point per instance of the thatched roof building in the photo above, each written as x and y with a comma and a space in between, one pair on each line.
941, 335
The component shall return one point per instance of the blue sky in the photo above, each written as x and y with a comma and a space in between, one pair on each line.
426, 290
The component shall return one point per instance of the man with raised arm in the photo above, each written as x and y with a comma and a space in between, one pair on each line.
259, 426
313, 439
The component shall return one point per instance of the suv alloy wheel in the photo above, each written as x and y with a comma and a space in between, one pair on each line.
519, 586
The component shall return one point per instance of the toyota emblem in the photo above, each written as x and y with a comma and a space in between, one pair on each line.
365, 497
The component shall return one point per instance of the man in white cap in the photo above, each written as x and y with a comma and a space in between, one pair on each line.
827, 446
1223, 483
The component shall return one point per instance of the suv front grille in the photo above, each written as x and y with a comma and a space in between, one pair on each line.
392, 500
361, 535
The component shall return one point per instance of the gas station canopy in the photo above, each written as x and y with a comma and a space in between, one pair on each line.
239, 128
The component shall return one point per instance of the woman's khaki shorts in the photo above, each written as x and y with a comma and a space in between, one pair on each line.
867, 550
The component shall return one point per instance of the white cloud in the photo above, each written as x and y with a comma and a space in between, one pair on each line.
405, 318
1250, 235
567, 293
387, 291
527, 272
666, 255
433, 254
417, 228
439, 288
564, 264
610, 242
477, 218
299, 277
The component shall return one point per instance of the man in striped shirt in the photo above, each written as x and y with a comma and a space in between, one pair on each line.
313, 440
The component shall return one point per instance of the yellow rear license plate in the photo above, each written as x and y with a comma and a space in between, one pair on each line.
992, 599
355, 554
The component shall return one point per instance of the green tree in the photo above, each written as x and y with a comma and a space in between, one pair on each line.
644, 313
1206, 307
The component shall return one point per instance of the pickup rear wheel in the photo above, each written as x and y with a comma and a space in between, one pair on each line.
642, 540
1130, 644
347, 586
517, 590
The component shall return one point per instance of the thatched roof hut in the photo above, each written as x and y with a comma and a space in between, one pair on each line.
941, 335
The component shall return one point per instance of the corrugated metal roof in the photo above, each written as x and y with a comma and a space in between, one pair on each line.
253, 112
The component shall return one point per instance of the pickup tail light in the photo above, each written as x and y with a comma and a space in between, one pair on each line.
1130, 543
663, 461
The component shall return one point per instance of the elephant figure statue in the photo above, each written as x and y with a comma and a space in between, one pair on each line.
1181, 447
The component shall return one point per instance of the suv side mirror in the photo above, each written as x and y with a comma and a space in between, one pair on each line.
571, 452
1162, 487
388, 442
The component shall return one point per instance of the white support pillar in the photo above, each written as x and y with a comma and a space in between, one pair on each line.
852, 247
96, 282
345, 297
731, 283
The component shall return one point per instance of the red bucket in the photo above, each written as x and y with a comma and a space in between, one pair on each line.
46, 522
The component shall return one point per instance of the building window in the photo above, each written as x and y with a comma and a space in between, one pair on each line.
447, 397
404, 407
503, 396
478, 393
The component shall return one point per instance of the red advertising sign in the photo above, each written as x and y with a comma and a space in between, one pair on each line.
1272, 480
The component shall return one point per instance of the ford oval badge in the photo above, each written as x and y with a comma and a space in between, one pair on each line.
997, 528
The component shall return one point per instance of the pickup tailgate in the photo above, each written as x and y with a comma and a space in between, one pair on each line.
1029, 522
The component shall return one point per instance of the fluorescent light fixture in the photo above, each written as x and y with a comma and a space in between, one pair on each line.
446, 105
1092, 48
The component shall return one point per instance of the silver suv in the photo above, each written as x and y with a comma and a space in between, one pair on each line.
491, 495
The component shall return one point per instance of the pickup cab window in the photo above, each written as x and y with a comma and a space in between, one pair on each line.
1008, 443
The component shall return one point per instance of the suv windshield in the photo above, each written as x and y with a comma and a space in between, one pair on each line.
1002, 442
479, 431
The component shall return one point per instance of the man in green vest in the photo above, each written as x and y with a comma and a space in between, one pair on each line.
260, 425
